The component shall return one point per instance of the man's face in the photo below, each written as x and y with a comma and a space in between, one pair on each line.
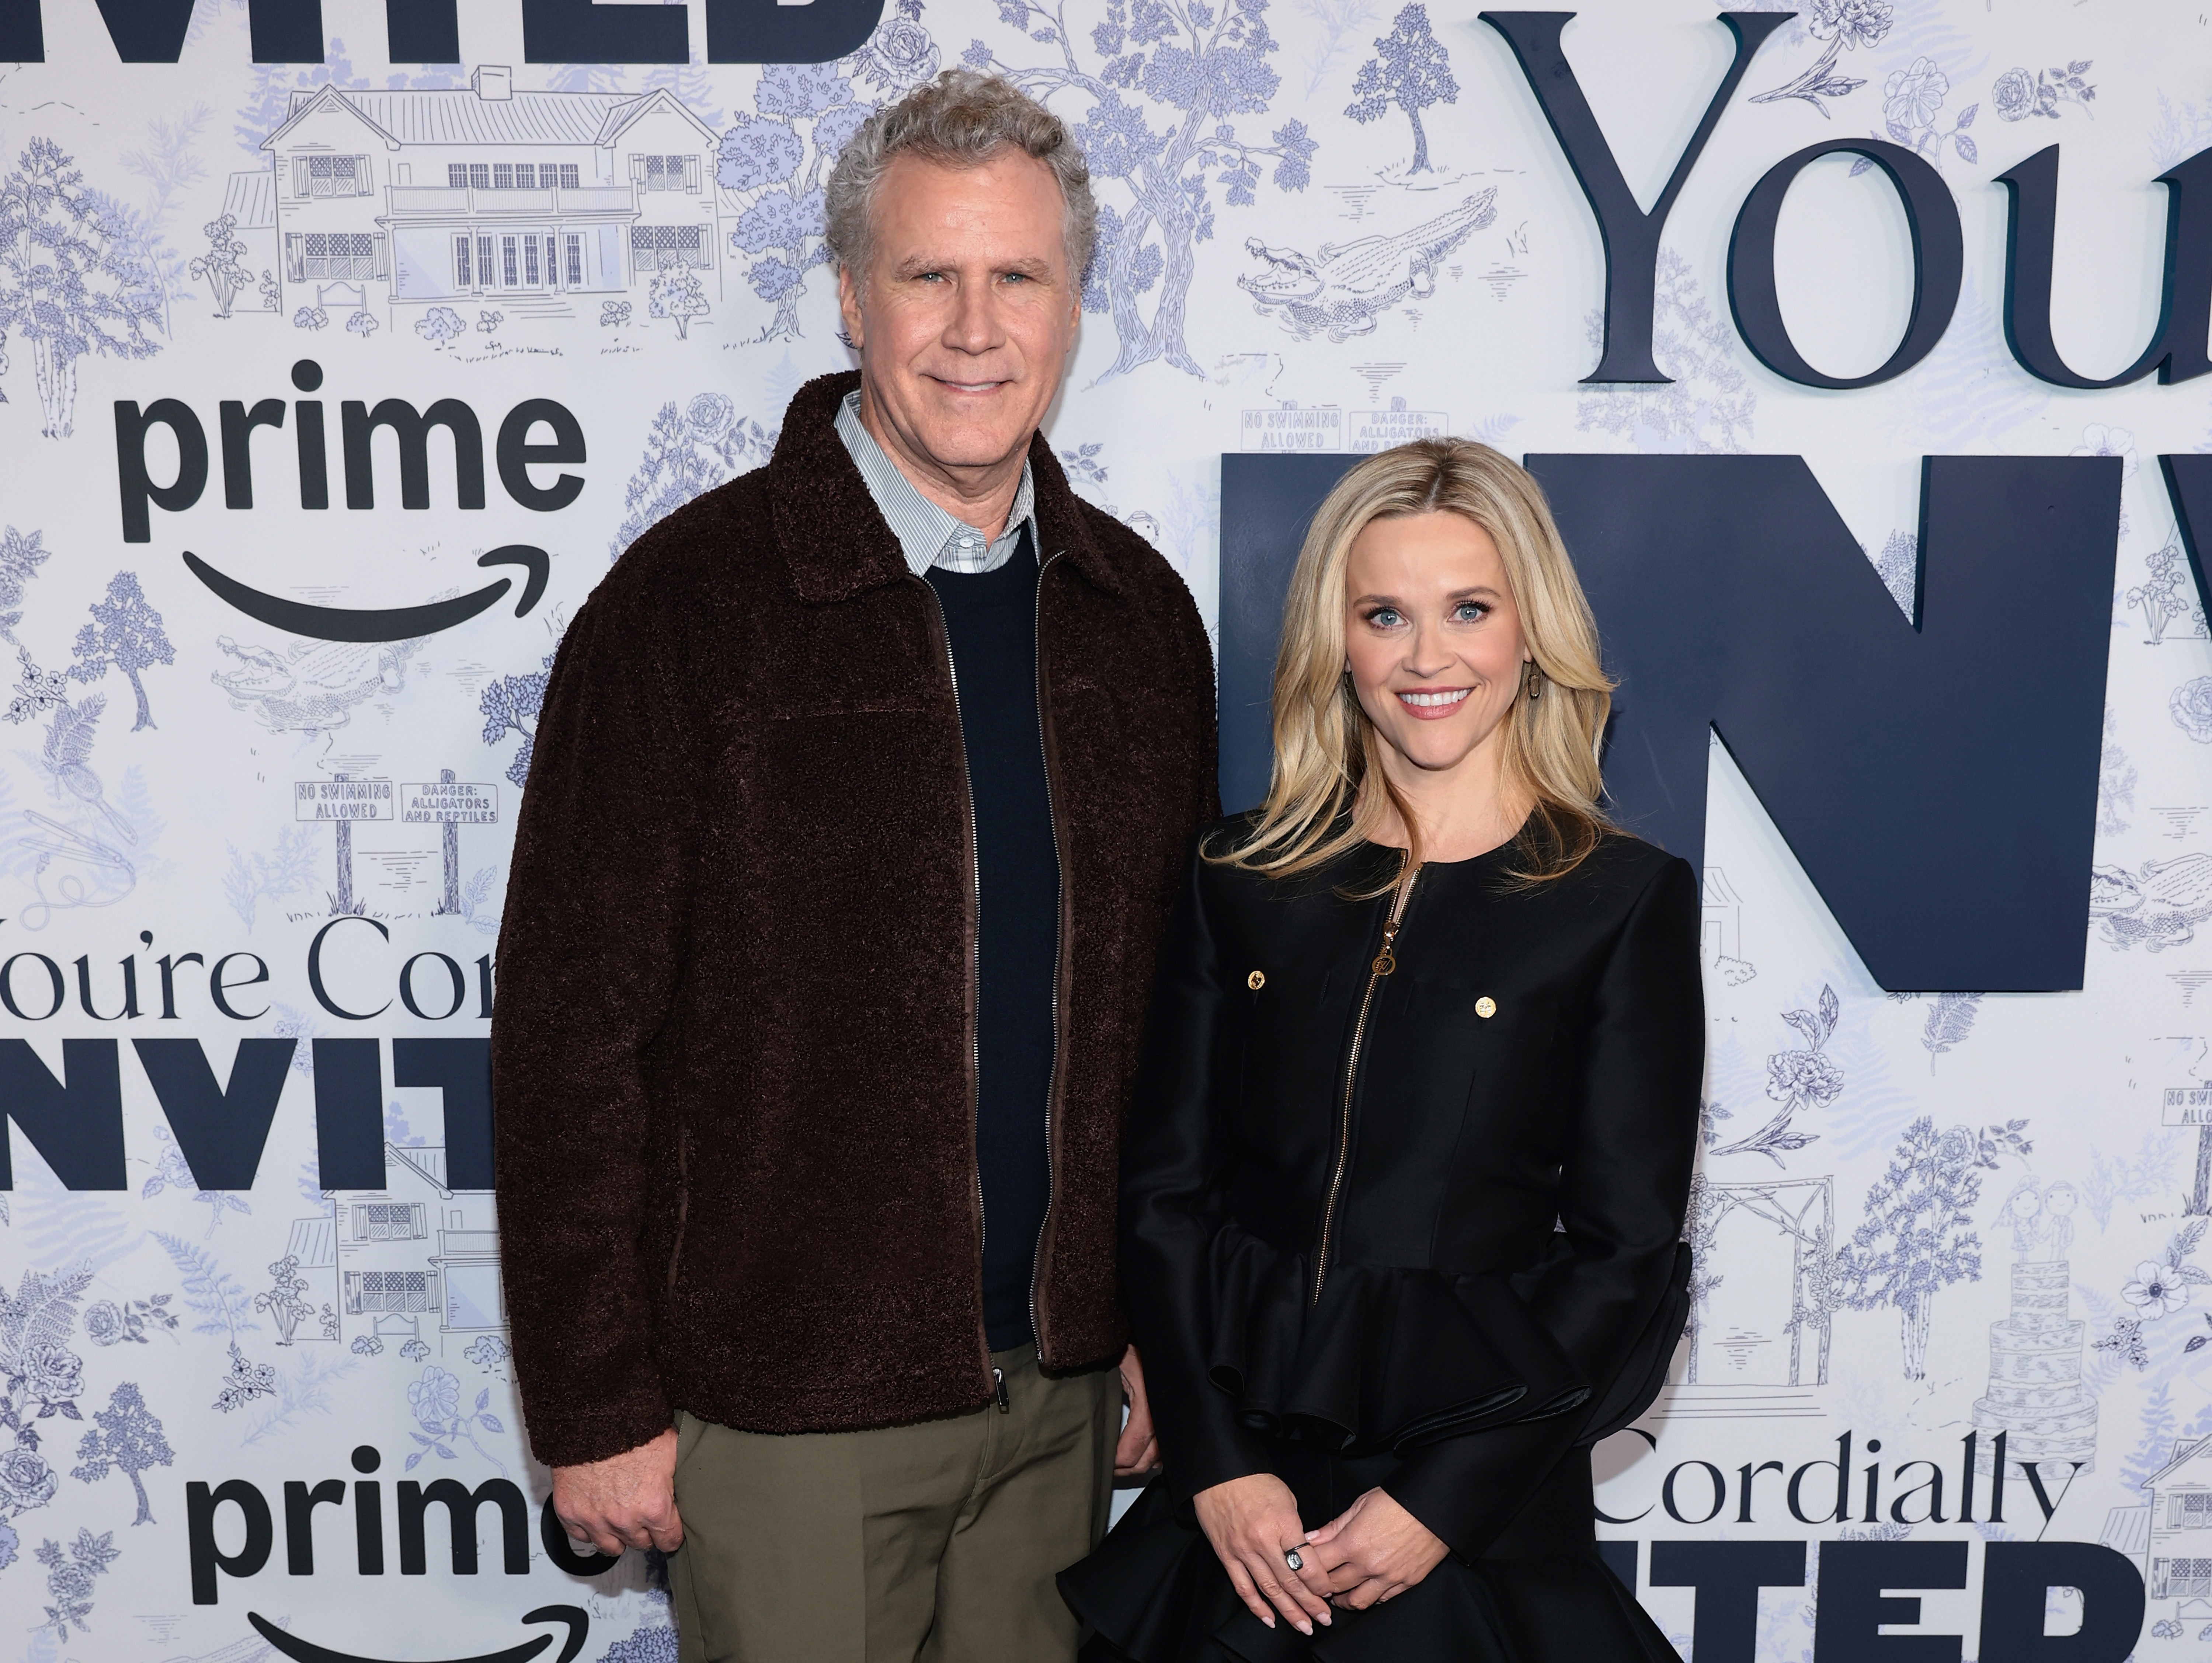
969, 309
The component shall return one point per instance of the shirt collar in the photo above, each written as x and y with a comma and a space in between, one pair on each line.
928, 535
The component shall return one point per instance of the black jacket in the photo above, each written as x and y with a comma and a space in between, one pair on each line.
1451, 1229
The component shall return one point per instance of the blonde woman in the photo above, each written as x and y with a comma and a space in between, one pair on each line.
1403, 1178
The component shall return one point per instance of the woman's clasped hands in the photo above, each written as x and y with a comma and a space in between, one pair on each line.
1373, 1551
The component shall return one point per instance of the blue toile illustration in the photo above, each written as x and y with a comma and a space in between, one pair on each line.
778, 160
1410, 70
68, 283
1340, 289
1200, 65
1918, 1235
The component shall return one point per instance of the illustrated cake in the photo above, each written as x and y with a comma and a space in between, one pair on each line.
2035, 1395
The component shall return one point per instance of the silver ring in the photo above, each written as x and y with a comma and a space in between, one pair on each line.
1291, 1558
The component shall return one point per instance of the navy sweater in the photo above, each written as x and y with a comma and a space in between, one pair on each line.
990, 618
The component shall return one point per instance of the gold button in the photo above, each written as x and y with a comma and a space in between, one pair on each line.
1256, 980
1485, 1007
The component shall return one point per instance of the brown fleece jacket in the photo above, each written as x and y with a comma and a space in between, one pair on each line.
732, 1052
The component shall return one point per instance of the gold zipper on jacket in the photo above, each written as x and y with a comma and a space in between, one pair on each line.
1383, 963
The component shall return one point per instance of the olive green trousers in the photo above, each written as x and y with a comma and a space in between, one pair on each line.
930, 1543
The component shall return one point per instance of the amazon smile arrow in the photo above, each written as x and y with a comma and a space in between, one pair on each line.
397, 623
305, 1651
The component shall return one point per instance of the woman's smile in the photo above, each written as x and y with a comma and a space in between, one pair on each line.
1433, 704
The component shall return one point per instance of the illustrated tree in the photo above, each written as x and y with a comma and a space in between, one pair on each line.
676, 294
1919, 1237
65, 285
226, 274
1410, 70
1203, 65
780, 158
21, 556
511, 704
807, 113
128, 1439
125, 634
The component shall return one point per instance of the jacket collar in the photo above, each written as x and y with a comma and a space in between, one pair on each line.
834, 542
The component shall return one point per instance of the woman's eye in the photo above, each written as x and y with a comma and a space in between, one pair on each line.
1470, 612
1385, 617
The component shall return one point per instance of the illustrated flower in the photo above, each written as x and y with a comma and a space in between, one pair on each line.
69, 1583
2098, 440
2156, 1291
2191, 706
53, 1372
1805, 1076
1854, 22
26, 1480
2014, 95
10, 1542
710, 415
1954, 1148
898, 56
1911, 97
103, 1323
435, 1399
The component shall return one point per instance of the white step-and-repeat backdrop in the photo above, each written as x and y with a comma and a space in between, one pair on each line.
272, 658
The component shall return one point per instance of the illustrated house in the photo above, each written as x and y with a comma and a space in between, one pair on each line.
2171, 1534
423, 197
417, 1259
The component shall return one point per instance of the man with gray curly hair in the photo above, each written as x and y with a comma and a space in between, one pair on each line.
887, 756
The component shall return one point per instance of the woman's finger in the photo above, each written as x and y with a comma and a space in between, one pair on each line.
1312, 1595
1369, 1593
1311, 1580
1241, 1579
1278, 1596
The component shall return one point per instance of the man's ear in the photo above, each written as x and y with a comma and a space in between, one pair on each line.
848, 303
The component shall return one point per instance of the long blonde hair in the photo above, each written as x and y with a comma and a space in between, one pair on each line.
1326, 746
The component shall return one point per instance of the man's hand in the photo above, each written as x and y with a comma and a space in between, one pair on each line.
1373, 1550
1253, 1523
1139, 1450
625, 1500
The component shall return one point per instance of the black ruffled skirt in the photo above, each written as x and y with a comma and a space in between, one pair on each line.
1155, 1592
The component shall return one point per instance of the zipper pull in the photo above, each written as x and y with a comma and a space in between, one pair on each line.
1387, 960
999, 1391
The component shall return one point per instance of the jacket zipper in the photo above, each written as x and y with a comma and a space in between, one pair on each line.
1060, 951
1383, 963
974, 907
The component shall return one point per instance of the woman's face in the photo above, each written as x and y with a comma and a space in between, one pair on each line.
1433, 634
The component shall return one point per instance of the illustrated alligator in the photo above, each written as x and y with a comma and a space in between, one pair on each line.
2160, 906
1339, 291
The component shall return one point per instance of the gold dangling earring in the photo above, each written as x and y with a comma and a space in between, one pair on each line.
1536, 682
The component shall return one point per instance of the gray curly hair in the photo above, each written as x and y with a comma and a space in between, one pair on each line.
962, 118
